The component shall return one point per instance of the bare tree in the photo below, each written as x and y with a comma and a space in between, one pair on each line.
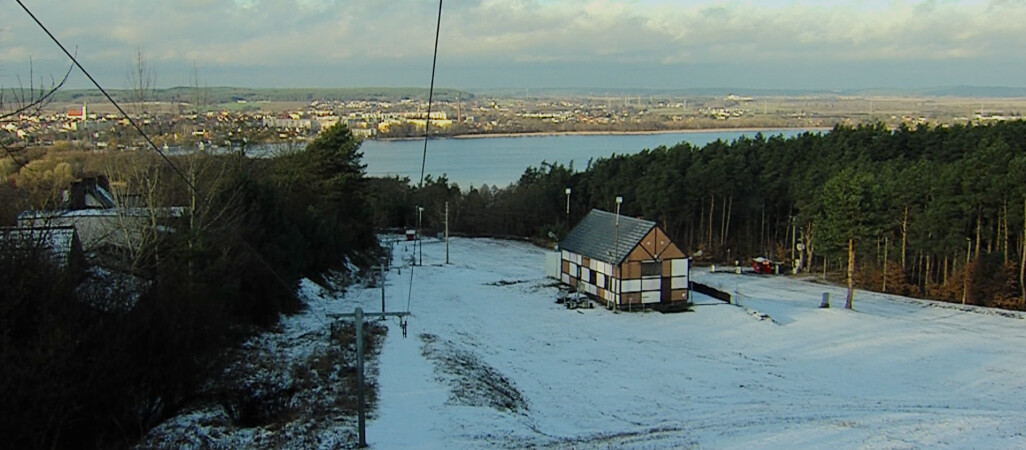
200, 94
16, 102
31, 99
136, 181
142, 82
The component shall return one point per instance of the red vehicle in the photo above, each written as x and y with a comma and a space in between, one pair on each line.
762, 265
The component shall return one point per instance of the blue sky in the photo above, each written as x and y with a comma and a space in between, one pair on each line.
601, 44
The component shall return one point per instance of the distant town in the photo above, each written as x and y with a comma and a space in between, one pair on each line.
182, 118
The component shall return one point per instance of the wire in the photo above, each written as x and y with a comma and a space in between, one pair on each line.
185, 179
431, 94
110, 99
427, 136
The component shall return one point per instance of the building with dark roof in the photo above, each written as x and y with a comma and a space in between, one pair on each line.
59, 244
625, 262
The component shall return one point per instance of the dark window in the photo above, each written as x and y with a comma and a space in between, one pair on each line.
651, 268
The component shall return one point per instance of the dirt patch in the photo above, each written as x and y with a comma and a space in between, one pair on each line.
506, 282
472, 382
283, 389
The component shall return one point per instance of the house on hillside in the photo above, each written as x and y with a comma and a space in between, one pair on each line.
91, 208
59, 244
626, 263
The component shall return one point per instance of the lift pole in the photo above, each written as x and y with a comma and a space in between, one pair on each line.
360, 395
447, 232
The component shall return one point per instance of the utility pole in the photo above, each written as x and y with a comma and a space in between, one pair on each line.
447, 232
382, 281
616, 249
360, 395
568, 209
793, 244
357, 316
965, 281
887, 243
420, 235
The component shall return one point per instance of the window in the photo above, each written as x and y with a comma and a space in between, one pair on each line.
651, 268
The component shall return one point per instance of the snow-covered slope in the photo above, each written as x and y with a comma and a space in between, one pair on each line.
492, 361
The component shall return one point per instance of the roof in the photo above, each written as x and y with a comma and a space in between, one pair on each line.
595, 235
162, 212
59, 240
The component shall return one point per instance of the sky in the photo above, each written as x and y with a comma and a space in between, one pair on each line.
524, 44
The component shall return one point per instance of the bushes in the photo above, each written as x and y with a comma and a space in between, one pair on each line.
72, 374
75, 370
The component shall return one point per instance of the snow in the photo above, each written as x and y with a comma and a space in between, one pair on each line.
775, 372
491, 361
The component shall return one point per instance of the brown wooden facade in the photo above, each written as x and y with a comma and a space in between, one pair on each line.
645, 269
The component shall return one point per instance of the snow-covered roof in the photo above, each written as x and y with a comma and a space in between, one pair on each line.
594, 237
58, 240
169, 211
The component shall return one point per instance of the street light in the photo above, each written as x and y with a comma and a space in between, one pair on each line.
568, 208
420, 236
965, 281
616, 250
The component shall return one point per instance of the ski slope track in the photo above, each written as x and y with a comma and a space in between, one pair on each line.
490, 360
775, 371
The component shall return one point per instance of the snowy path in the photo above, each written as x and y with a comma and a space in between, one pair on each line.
491, 361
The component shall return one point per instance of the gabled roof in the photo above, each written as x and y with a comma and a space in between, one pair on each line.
59, 241
595, 235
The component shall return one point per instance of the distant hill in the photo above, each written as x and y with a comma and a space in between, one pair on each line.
225, 94
975, 91
948, 91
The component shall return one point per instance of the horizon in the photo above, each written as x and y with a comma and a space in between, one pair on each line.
603, 91
527, 44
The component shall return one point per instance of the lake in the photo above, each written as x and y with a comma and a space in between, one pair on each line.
501, 160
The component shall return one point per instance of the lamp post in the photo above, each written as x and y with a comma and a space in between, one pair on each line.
420, 236
616, 251
965, 281
567, 208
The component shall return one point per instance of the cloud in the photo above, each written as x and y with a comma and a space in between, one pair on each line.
284, 34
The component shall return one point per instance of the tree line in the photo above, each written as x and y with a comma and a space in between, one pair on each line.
935, 212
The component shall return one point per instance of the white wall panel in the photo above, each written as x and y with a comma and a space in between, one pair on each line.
650, 297
631, 285
552, 265
679, 267
651, 284
679, 283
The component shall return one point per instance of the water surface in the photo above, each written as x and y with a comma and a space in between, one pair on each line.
501, 160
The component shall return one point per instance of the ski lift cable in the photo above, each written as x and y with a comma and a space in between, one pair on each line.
192, 187
427, 135
110, 99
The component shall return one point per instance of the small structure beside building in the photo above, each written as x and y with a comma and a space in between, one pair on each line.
59, 244
626, 263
